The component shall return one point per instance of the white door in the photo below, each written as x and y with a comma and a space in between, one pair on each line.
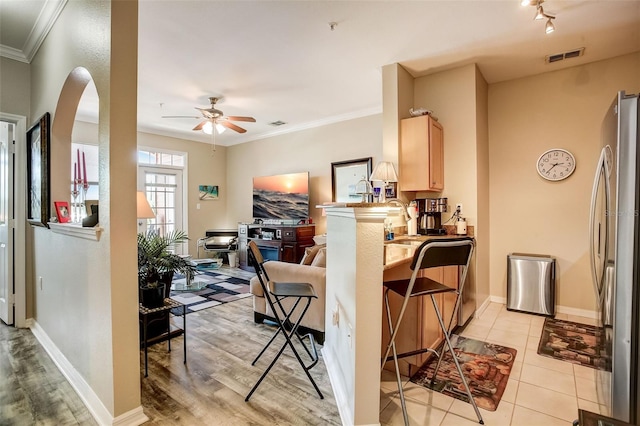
6, 222
163, 188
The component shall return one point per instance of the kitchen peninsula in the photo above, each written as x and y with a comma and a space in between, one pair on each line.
357, 259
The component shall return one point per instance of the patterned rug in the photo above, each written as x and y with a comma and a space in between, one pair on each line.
486, 367
208, 289
572, 342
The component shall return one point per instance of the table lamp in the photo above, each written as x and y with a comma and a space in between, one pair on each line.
384, 172
143, 209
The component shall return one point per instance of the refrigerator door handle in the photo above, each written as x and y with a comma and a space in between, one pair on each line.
601, 170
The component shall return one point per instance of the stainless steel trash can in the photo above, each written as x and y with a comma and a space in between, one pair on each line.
531, 283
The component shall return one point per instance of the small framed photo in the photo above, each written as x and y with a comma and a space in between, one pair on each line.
62, 211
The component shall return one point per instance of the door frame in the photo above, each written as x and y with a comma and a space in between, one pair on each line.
20, 220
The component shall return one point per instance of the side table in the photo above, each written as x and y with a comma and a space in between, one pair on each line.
144, 316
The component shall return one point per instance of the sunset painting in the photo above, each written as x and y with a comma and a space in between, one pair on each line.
281, 197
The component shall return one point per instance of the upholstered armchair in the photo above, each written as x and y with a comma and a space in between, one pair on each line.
311, 270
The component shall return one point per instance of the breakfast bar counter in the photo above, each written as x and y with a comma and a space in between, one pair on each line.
358, 261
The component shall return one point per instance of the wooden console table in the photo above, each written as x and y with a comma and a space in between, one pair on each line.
144, 313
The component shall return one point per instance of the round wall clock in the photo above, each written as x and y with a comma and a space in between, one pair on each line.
556, 164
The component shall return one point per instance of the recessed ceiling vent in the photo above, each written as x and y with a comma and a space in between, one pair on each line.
277, 123
565, 55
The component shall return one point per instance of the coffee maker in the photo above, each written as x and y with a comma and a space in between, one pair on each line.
430, 215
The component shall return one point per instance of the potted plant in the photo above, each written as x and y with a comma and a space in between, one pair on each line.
157, 264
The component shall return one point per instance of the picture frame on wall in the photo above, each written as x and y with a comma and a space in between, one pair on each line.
62, 211
38, 191
345, 176
208, 192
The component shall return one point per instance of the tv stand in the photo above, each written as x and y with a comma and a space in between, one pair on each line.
285, 243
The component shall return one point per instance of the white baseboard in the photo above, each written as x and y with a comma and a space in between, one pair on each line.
559, 309
483, 306
339, 392
82, 388
133, 417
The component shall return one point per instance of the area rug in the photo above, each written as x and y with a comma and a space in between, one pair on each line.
572, 342
208, 289
486, 367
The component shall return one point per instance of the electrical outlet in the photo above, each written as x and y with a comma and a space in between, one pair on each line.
459, 208
40, 282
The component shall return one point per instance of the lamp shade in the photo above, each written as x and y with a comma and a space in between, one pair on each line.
144, 210
384, 171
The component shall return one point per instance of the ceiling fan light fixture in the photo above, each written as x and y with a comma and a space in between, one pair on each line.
208, 128
220, 128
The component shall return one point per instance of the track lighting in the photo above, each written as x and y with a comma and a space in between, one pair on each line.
540, 15
549, 27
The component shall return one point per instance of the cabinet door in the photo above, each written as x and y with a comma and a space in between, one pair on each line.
421, 154
436, 156
449, 278
288, 252
430, 332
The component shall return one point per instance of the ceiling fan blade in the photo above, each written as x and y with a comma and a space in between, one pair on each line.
201, 125
232, 126
237, 118
180, 116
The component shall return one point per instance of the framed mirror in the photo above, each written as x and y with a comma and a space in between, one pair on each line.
344, 178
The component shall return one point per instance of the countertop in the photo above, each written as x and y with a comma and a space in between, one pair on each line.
402, 249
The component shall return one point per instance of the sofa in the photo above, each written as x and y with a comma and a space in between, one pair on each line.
311, 269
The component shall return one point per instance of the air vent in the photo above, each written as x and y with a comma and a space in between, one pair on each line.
277, 123
566, 55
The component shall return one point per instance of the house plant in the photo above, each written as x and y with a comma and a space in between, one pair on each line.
157, 264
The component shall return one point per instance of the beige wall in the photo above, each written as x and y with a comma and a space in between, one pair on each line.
14, 81
562, 109
311, 150
87, 303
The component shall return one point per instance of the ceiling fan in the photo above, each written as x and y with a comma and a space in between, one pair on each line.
214, 118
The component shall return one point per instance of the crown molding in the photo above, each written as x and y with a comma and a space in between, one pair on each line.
47, 17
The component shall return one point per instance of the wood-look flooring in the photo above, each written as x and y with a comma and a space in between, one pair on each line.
32, 389
208, 390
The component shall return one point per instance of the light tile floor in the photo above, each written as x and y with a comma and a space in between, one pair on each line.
541, 390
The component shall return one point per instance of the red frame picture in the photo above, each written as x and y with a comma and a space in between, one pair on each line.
62, 211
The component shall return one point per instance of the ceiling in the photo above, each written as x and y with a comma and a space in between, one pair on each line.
282, 61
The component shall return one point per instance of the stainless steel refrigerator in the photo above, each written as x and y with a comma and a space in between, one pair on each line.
615, 251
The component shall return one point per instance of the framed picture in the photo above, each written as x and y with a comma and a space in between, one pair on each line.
62, 211
208, 192
38, 191
344, 178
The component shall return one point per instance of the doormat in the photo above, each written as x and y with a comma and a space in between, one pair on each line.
486, 366
208, 289
572, 342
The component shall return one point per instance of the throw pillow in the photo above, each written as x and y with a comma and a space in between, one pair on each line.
310, 253
320, 259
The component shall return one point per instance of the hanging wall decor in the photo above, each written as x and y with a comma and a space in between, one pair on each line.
38, 192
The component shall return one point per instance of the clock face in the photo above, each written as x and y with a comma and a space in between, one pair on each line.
556, 164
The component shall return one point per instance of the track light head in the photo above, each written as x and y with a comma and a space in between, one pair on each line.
549, 27
539, 13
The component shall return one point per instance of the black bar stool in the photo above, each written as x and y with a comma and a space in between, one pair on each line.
275, 294
432, 253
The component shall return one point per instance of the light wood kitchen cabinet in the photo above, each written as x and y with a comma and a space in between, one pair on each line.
421, 154
419, 328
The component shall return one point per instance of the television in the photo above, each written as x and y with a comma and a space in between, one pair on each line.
281, 197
